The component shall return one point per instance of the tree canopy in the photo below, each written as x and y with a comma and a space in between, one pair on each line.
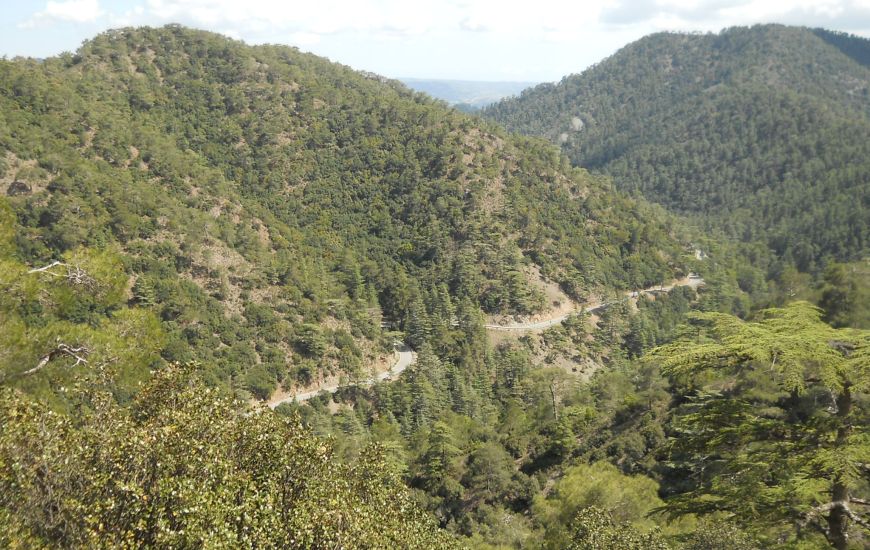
774, 428
181, 467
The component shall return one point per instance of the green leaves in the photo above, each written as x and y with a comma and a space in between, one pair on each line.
600, 486
595, 529
792, 342
774, 417
182, 468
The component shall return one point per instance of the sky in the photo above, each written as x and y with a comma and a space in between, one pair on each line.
495, 40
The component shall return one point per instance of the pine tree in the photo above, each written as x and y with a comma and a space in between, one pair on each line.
144, 293
775, 428
440, 462
419, 325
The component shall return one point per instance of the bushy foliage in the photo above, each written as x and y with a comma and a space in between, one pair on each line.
584, 496
182, 467
595, 529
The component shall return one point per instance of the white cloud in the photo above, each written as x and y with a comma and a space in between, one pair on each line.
487, 39
712, 15
76, 11
473, 24
389, 17
128, 18
232, 33
379, 18
303, 38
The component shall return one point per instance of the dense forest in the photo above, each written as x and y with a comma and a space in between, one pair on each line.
761, 133
272, 208
191, 225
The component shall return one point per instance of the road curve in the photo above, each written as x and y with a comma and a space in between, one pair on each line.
692, 280
405, 357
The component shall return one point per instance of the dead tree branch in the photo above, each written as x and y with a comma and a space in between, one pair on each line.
812, 517
856, 518
46, 268
79, 353
74, 275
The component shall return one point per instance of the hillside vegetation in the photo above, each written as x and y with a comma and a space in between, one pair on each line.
271, 208
759, 132
190, 223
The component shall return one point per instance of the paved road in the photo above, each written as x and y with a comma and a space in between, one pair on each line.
692, 281
405, 357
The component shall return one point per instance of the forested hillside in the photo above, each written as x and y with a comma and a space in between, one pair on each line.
272, 208
191, 224
761, 132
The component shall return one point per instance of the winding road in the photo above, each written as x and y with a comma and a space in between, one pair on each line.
405, 356
692, 280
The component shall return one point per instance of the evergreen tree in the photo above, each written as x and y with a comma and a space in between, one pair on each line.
775, 427
594, 529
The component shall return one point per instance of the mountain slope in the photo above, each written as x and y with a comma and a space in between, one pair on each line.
270, 207
761, 131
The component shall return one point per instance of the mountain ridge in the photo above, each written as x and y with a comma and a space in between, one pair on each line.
271, 207
724, 127
473, 94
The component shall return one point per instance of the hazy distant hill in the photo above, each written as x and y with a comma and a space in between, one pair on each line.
471, 93
761, 131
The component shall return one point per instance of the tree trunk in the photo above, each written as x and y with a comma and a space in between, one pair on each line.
838, 519
553, 396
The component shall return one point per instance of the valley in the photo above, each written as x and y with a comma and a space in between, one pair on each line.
254, 298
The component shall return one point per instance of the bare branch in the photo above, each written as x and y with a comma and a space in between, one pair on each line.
812, 517
79, 353
846, 348
856, 518
46, 268
74, 273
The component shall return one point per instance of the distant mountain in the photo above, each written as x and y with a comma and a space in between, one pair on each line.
763, 132
472, 94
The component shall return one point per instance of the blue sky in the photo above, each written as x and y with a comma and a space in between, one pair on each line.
528, 40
